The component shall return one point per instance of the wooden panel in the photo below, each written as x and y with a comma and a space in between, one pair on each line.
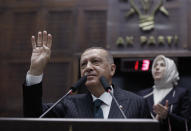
2, 3
4, 33
94, 30
23, 29
2, 40
61, 25
23, 3
57, 80
11, 91
93, 4
20, 24
2, 89
60, 3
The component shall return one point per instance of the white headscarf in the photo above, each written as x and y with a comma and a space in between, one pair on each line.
170, 78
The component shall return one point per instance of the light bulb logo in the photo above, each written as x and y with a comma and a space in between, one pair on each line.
147, 12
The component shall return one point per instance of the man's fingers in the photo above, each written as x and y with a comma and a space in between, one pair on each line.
39, 39
33, 42
44, 38
49, 42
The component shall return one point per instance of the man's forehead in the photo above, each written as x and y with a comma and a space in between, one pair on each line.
93, 52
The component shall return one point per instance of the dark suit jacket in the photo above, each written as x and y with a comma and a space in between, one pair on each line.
179, 107
81, 105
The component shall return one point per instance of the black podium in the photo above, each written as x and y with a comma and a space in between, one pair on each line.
49, 124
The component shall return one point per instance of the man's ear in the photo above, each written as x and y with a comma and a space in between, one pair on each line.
113, 68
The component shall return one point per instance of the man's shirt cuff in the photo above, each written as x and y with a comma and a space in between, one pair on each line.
32, 79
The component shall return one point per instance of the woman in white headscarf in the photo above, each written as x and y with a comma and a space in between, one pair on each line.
168, 103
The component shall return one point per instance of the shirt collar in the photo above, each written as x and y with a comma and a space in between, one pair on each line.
105, 97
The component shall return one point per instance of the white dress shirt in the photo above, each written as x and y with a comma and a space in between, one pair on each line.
107, 99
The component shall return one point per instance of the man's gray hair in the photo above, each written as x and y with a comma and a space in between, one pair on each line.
109, 55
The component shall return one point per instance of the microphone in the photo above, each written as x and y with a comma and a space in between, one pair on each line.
107, 88
73, 88
79, 83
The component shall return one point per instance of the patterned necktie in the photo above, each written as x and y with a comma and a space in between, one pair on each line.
98, 113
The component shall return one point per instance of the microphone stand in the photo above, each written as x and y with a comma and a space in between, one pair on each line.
73, 89
69, 92
107, 88
119, 106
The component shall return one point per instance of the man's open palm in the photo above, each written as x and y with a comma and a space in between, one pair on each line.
41, 52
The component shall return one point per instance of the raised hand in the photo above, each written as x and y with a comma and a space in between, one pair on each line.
161, 111
41, 52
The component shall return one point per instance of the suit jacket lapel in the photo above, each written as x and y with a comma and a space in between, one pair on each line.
86, 107
114, 111
150, 101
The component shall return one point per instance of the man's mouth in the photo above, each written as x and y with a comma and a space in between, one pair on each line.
91, 75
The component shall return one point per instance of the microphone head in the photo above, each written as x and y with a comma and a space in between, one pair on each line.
104, 83
79, 83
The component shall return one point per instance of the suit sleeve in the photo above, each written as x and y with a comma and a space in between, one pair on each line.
33, 106
32, 100
145, 113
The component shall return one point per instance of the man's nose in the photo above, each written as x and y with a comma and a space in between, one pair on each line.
89, 66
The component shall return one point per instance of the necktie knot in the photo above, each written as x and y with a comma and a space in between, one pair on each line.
98, 113
97, 103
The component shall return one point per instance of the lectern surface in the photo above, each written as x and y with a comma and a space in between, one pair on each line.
50, 124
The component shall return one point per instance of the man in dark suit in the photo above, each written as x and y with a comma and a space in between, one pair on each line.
94, 63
